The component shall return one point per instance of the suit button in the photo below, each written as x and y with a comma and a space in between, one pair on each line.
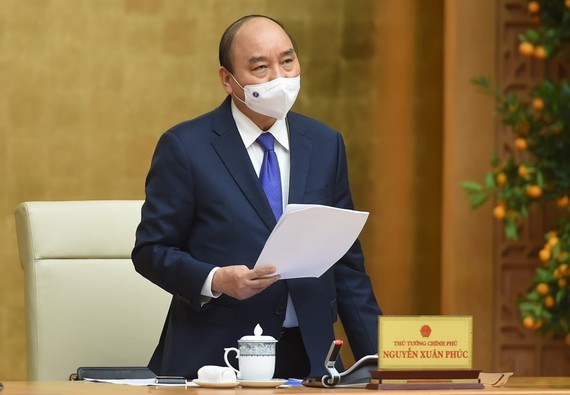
279, 310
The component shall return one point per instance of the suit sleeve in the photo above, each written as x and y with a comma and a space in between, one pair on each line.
357, 306
160, 253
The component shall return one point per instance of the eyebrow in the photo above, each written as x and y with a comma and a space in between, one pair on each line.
257, 59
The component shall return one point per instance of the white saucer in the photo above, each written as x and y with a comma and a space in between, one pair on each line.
262, 383
210, 384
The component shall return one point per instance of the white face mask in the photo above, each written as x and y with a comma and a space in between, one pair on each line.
272, 98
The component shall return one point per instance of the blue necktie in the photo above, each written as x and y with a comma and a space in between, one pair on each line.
271, 182
269, 175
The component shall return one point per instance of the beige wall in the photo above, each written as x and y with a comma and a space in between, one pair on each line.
86, 88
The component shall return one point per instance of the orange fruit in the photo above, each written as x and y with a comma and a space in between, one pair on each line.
563, 201
567, 3
521, 144
523, 171
537, 104
563, 269
544, 255
549, 302
533, 191
568, 335
528, 322
562, 283
539, 52
538, 323
533, 7
499, 212
501, 179
526, 49
542, 289
553, 241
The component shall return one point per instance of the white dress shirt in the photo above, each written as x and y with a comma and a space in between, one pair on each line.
249, 132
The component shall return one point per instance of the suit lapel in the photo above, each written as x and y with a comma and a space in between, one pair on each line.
229, 146
300, 154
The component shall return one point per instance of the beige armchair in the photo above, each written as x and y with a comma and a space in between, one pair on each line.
85, 304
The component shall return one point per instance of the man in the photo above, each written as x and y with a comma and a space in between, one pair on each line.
208, 214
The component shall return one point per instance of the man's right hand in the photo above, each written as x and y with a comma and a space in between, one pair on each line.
241, 282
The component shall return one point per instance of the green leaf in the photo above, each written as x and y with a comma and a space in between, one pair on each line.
478, 200
542, 275
550, 33
490, 180
540, 179
560, 295
532, 36
545, 313
471, 186
534, 297
556, 250
511, 98
527, 306
482, 81
511, 229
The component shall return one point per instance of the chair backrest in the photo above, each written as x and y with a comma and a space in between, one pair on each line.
85, 303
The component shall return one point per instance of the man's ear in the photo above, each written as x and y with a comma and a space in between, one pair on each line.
225, 78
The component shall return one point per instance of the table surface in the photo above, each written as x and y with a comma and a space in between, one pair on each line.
515, 385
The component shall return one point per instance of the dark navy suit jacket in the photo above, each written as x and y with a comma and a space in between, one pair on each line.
205, 207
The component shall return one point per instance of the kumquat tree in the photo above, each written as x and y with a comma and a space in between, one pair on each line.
538, 170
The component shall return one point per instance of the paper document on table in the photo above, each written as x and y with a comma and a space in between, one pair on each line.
309, 239
140, 382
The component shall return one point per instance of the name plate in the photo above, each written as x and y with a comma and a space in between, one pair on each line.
425, 342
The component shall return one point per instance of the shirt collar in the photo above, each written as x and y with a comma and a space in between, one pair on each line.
249, 131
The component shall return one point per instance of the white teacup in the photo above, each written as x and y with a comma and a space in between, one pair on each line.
256, 355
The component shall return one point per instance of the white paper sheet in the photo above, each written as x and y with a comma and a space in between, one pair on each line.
309, 239
140, 382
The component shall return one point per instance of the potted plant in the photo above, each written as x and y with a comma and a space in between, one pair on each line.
538, 169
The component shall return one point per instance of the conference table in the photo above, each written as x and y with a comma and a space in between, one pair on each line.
515, 386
